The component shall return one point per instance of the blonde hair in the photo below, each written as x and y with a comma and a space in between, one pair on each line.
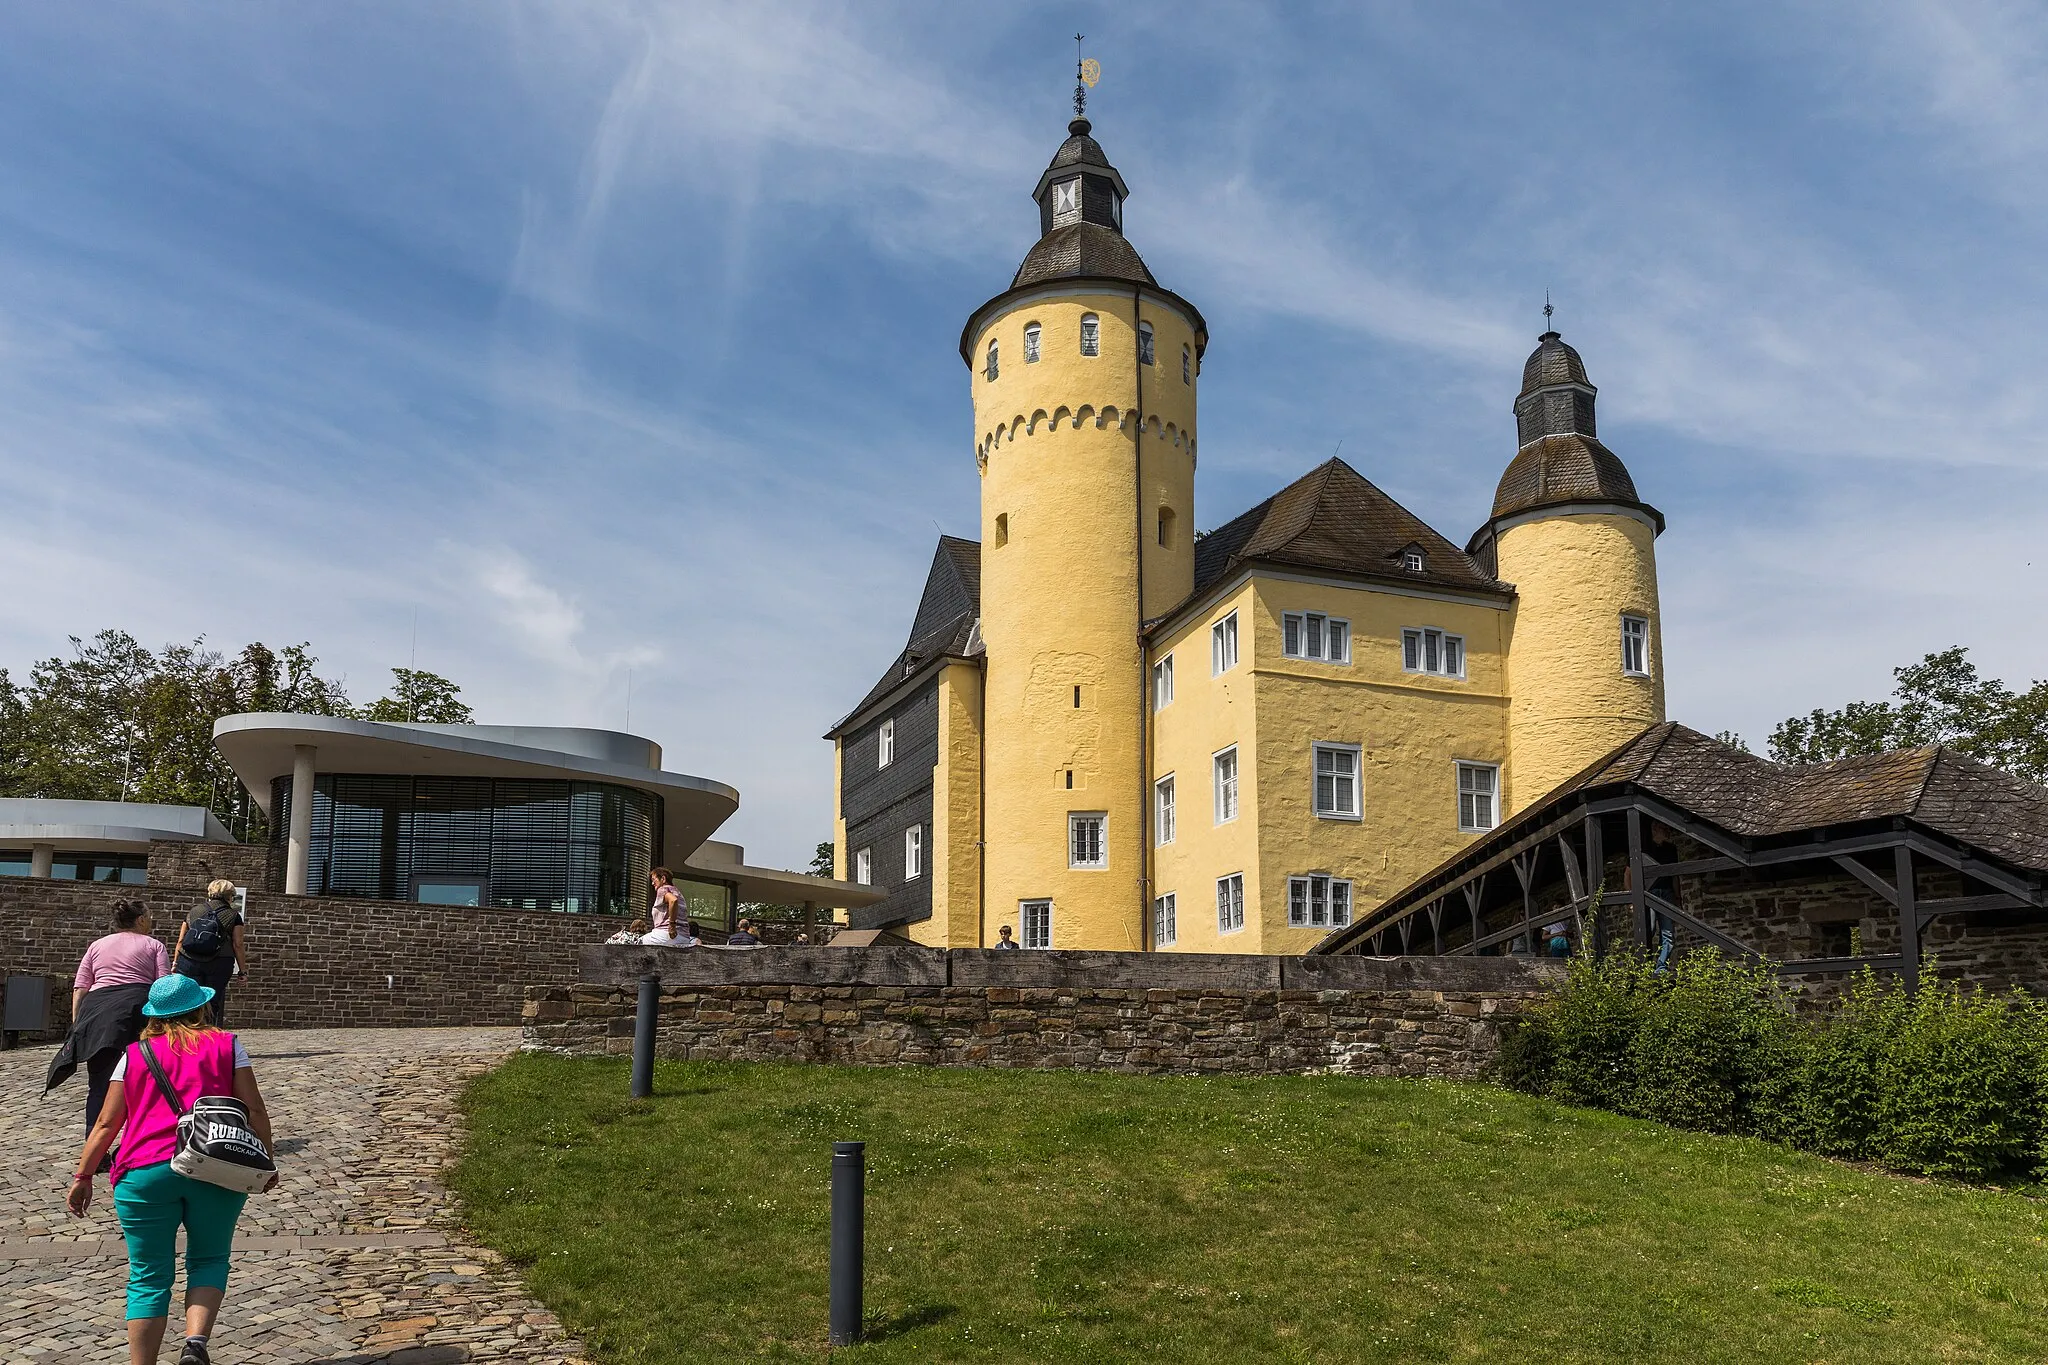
184, 1030
219, 889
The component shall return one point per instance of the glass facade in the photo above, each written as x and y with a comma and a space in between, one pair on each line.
577, 847
131, 868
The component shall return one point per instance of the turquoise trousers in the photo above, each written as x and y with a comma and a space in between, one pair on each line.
152, 1203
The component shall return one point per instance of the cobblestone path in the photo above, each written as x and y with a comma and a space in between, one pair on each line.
355, 1259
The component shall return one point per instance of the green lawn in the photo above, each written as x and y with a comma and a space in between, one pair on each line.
1053, 1216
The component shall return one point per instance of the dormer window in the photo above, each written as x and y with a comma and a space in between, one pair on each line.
1411, 560
992, 368
1145, 353
1031, 336
1091, 334
1066, 202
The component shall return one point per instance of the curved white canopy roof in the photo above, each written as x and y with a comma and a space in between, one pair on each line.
104, 826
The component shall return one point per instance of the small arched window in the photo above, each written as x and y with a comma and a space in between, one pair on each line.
1187, 365
1166, 527
1145, 343
1002, 529
1031, 335
992, 369
1091, 334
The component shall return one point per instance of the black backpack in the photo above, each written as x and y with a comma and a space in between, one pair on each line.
205, 936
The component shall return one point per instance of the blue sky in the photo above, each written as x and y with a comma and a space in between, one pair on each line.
614, 341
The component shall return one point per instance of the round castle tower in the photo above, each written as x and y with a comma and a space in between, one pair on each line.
1084, 374
1585, 651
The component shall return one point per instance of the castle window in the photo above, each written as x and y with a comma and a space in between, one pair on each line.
1312, 635
1162, 801
1226, 786
1036, 917
1411, 560
1162, 684
1635, 646
1478, 791
1166, 527
913, 852
1066, 202
1223, 645
1145, 353
885, 744
1091, 334
1085, 845
1432, 651
1165, 931
1318, 902
1336, 793
1187, 365
864, 866
1077, 696
1230, 903
1002, 529
992, 368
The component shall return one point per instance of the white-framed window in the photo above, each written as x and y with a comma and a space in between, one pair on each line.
1187, 365
993, 370
1337, 781
1230, 903
1165, 929
913, 852
1478, 796
1635, 646
1085, 844
1162, 807
1035, 917
1427, 650
864, 866
1226, 786
1223, 645
1032, 335
885, 744
1091, 334
1145, 351
1162, 684
1411, 561
1318, 901
1066, 202
1312, 635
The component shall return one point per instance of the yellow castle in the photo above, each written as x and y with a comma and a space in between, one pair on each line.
1110, 731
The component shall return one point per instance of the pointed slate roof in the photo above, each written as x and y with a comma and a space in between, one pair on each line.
1334, 519
945, 625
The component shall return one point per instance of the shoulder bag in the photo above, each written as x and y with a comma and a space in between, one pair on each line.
216, 1143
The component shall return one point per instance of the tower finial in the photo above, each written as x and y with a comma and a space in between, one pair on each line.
1080, 85
1546, 311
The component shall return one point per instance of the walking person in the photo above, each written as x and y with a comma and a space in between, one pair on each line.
209, 948
107, 995
152, 1200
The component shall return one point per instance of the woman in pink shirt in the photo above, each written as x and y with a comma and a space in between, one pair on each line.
107, 996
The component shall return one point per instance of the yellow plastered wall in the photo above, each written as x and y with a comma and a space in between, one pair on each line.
839, 853
956, 812
1065, 519
1411, 730
1576, 575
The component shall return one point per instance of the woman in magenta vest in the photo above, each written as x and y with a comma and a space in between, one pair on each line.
151, 1199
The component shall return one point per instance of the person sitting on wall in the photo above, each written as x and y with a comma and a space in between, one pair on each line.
744, 936
107, 996
668, 915
632, 933
210, 946
1003, 939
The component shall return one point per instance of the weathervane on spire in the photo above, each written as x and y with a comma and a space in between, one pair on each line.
1546, 310
1087, 71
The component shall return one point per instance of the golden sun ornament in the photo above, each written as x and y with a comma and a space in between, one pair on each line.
1091, 71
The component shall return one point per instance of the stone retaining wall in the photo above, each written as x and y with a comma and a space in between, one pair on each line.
1132, 1012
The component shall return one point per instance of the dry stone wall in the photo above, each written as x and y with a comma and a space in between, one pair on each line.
1129, 1012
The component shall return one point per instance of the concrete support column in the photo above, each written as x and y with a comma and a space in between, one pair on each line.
300, 852
42, 859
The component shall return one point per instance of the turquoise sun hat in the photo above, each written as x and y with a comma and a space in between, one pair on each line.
174, 995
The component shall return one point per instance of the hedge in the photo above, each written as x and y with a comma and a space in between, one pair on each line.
1935, 1080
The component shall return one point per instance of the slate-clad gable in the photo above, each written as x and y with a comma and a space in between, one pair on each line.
879, 804
943, 627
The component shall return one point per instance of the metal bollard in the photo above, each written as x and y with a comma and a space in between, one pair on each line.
643, 1036
849, 1217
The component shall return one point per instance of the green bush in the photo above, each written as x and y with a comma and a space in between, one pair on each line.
1937, 1080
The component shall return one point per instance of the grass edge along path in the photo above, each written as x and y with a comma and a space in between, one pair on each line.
1064, 1216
